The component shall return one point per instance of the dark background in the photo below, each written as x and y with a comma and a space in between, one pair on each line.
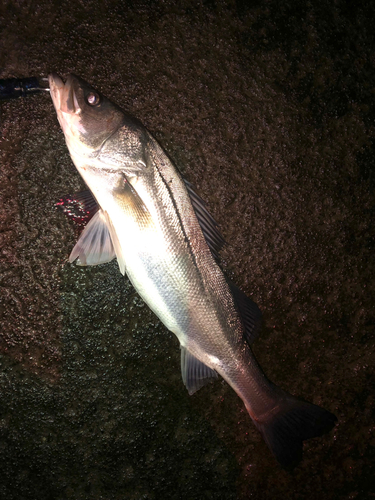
268, 108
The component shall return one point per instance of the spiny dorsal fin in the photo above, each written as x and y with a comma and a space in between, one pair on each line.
209, 226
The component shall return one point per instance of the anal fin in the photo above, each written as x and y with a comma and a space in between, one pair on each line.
195, 374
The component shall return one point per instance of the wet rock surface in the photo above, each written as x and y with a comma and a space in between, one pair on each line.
269, 111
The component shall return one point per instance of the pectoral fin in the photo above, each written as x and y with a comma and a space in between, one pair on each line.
132, 204
134, 209
195, 374
116, 244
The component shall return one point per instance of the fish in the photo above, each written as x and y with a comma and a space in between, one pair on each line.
166, 242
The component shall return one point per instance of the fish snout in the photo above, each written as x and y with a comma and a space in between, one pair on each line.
63, 95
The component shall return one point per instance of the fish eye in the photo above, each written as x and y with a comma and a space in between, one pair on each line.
93, 99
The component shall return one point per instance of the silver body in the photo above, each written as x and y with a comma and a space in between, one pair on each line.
159, 243
172, 268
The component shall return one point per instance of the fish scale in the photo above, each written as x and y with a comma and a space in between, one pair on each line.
159, 230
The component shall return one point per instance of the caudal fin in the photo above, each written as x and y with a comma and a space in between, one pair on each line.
287, 428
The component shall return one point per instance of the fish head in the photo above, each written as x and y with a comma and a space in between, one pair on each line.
86, 116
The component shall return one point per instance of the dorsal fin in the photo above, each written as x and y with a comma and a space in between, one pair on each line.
250, 314
209, 226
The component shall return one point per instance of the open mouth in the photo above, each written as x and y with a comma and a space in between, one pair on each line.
63, 95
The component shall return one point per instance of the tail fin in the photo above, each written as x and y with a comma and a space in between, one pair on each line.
292, 423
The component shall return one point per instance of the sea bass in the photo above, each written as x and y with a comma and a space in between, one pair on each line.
167, 243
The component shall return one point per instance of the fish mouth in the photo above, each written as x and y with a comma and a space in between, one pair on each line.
68, 110
63, 96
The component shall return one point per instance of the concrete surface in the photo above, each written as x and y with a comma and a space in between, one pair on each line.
268, 108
